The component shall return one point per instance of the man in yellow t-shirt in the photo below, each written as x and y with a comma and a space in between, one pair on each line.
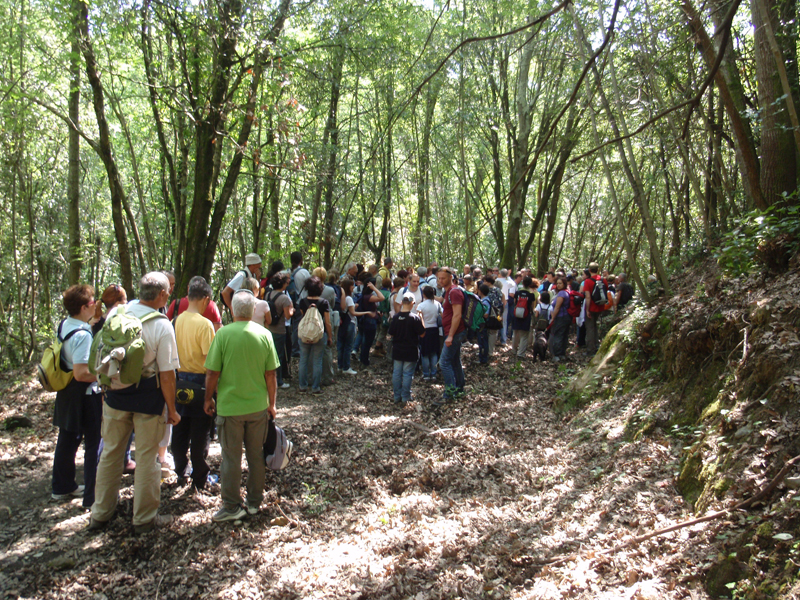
194, 334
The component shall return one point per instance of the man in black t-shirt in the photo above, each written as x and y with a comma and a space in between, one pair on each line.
624, 292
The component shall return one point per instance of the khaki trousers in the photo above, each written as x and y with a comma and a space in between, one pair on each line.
520, 342
250, 430
117, 427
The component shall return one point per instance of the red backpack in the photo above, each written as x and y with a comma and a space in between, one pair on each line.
575, 303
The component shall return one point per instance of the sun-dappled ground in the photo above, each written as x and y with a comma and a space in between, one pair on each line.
379, 502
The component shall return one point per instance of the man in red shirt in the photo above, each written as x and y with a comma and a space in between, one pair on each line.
455, 333
594, 310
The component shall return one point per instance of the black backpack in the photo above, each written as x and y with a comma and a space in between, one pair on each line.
273, 310
600, 292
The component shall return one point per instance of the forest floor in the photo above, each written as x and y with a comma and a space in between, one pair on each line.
379, 502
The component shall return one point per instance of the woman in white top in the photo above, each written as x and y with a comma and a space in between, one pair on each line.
261, 314
79, 406
430, 310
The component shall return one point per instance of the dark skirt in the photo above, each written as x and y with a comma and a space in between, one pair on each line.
69, 407
430, 343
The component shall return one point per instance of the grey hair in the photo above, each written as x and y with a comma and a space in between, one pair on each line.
198, 288
422, 271
622, 277
349, 266
150, 285
243, 304
250, 283
503, 272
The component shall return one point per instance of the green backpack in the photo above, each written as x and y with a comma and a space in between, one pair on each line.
117, 354
50, 370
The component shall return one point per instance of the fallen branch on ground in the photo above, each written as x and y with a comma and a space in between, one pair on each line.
710, 517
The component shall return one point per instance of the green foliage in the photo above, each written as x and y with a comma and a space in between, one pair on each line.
761, 239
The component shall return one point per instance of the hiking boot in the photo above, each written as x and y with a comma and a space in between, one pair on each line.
95, 525
226, 514
160, 521
76, 493
252, 509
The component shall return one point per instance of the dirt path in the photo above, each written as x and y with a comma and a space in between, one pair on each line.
465, 502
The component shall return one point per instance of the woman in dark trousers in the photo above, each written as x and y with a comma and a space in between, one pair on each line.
370, 298
79, 406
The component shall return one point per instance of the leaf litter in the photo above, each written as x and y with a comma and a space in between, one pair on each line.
470, 501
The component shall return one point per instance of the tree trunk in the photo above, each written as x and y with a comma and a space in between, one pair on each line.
74, 173
105, 151
328, 175
730, 90
520, 153
778, 150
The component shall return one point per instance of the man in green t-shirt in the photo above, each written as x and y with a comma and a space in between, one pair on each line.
240, 367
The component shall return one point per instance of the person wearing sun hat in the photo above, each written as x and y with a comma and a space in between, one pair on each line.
252, 268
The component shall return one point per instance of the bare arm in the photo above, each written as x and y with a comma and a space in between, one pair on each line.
81, 373
454, 324
559, 302
272, 391
288, 311
227, 295
168, 390
212, 379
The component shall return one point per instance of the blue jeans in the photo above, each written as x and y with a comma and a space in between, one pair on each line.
506, 325
344, 344
279, 339
429, 363
450, 365
401, 379
312, 352
483, 346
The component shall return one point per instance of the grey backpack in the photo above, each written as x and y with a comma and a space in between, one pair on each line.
277, 448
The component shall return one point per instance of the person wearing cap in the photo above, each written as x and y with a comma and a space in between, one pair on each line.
252, 269
406, 329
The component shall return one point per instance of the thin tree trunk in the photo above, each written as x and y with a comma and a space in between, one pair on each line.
729, 86
106, 153
74, 173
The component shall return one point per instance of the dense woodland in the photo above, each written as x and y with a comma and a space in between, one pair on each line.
181, 135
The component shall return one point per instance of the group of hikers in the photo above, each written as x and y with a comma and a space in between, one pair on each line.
192, 376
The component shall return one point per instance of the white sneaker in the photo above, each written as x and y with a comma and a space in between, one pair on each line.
285, 386
76, 493
350, 372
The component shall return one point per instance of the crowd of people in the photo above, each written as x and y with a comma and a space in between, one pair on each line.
199, 378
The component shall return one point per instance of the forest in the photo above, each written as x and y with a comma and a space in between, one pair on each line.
657, 139
172, 135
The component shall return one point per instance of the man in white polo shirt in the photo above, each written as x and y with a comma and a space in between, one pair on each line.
252, 269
